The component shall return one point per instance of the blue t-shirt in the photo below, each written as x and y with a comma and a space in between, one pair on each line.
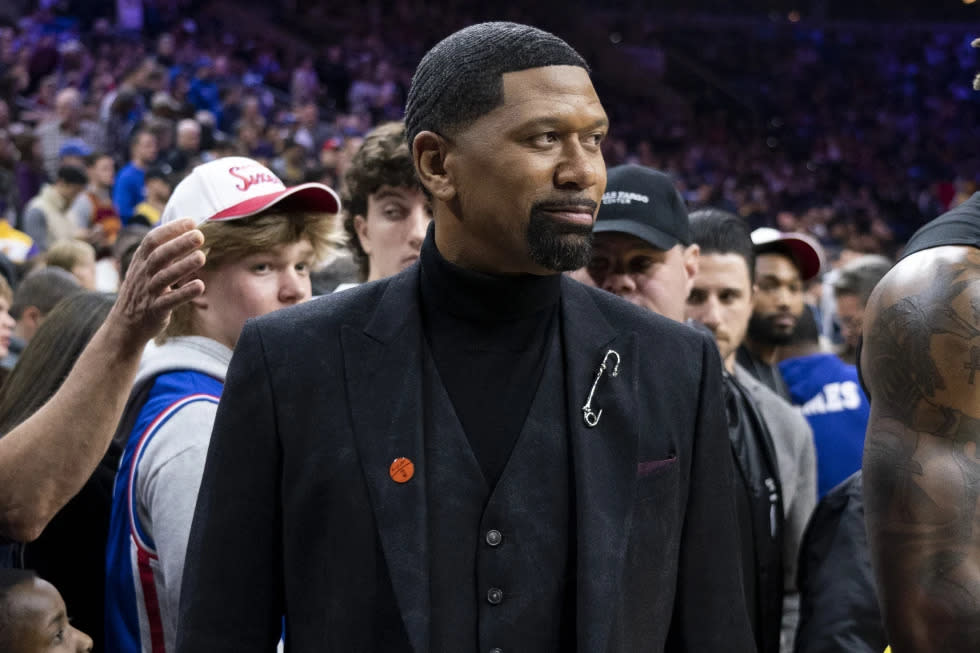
828, 393
128, 191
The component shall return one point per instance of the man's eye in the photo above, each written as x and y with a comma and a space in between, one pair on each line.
260, 267
598, 265
394, 213
640, 264
596, 139
547, 138
728, 297
696, 298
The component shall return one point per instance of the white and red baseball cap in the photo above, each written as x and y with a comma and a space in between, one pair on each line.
236, 187
804, 249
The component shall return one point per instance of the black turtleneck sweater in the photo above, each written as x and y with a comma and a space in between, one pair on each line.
489, 338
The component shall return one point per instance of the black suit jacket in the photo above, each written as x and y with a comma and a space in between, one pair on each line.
297, 513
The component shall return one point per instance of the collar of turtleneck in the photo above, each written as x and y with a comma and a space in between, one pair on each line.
479, 297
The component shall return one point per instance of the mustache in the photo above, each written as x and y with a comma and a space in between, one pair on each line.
566, 204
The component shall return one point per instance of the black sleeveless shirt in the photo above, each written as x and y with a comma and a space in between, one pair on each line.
959, 226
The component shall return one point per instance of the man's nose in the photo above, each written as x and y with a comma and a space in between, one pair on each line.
618, 283
579, 167
420, 223
294, 287
711, 313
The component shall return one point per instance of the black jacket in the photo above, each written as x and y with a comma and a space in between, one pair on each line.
759, 514
298, 513
838, 604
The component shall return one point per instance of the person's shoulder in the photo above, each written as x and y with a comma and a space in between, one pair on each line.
325, 313
128, 172
776, 410
626, 316
930, 293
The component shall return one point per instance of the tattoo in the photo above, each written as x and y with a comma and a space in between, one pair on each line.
974, 363
923, 452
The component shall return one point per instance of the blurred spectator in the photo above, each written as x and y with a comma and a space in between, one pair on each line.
9, 197
34, 298
16, 248
67, 123
305, 85
335, 76
157, 188
7, 323
852, 289
310, 132
204, 93
291, 164
74, 152
74, 256
46, 217
29, 172
33, 616
129, 188
186, 154
71, 550
93, 210
126, 245
829, 394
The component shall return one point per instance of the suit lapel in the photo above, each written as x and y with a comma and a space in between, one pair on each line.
604, 458
383, 367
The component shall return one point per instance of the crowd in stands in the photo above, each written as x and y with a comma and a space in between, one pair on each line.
854, 136
848, 137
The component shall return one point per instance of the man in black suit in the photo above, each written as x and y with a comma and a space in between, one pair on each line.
477, 453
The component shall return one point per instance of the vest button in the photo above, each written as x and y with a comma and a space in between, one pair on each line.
495, 596
494, 538
496, 650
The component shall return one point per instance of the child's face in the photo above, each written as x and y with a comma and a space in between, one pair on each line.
39, 621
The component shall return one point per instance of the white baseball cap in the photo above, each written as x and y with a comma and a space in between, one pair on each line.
236, 187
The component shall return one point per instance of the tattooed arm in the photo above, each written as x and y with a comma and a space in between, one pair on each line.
921, 360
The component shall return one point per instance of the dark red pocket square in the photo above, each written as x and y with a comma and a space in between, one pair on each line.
652, 466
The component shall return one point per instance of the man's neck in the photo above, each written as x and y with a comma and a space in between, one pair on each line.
20, 331
797, 351
730, 363
768, 354
459, 250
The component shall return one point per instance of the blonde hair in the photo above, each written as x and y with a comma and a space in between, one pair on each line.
6, 292
232, 240
66, 254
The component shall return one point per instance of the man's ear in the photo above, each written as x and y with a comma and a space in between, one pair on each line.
31, 317
429, 151
692, 262
201, 301
361, 229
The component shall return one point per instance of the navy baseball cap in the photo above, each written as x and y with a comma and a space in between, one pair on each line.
74, 147
644, 203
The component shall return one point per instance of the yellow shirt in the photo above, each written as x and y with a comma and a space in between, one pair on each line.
150, 213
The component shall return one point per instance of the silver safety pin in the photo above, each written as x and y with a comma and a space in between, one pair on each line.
592, 417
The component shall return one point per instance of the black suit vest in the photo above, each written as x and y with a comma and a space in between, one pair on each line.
500, 559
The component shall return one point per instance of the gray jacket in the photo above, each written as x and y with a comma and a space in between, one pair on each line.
797, 461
